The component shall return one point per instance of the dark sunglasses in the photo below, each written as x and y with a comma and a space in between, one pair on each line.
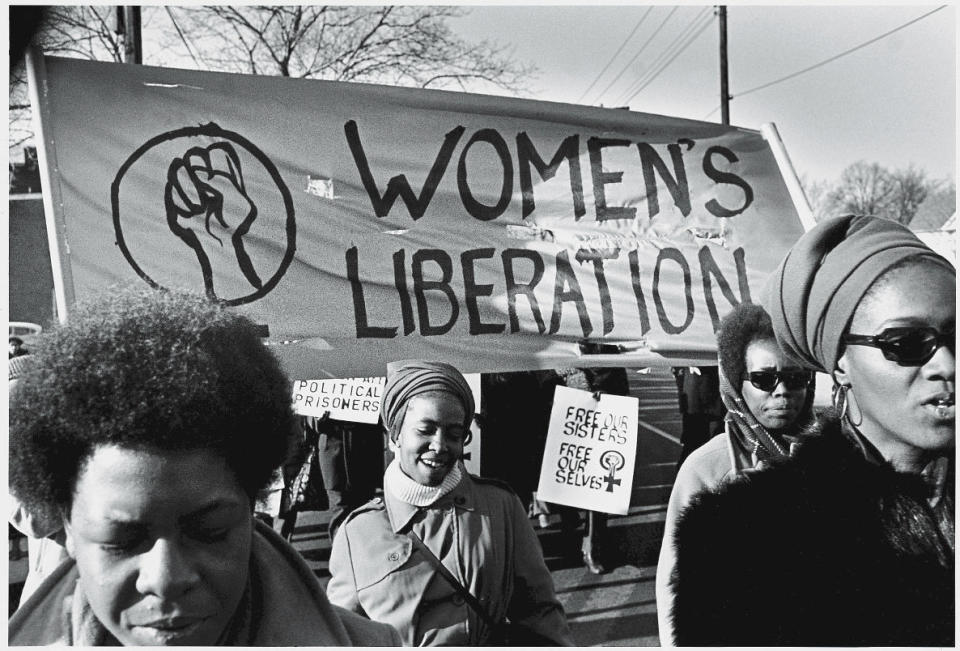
909, 345
768, 380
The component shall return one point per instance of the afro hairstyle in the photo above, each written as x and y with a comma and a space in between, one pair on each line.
742, 326
147, 369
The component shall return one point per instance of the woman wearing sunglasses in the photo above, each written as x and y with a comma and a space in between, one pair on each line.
769, 404
850, 540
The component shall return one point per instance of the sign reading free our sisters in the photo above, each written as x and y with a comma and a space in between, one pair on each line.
590, 451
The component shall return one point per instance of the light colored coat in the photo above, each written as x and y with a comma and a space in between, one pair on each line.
45, 543
707, 467
481, 533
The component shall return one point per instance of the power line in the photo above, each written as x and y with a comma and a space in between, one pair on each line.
654, 68
831, 59
842, 54
630, 62
666, 52
615, 54
667, 64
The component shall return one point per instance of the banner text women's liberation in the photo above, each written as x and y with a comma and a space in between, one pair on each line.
418, 220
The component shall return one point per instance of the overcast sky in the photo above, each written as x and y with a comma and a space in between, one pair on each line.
891, 102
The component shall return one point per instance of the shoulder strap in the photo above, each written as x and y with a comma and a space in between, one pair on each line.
472, 601
490, 481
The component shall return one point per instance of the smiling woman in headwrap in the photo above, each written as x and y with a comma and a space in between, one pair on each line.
849, 541
444, 557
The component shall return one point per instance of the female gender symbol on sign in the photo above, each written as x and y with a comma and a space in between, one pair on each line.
612, 461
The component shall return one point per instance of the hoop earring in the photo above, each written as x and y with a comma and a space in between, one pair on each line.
850, 400
68, 543
842, 399
839, 399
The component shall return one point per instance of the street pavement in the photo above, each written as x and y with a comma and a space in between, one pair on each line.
617, 608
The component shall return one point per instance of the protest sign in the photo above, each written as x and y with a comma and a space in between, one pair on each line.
350, 399
471, 450
360, 224
590, 452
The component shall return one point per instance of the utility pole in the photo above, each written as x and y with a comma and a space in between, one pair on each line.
128, 24
724, 87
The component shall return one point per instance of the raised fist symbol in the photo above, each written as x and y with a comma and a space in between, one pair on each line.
205, 193
222, 196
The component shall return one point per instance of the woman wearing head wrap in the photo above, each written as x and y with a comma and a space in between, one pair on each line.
769, 401
849, 541
444, 557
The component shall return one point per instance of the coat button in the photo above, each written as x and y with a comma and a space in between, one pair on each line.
393, 557
457, 600
460, 500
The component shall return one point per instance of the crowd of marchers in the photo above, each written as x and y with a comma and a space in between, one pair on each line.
145, 430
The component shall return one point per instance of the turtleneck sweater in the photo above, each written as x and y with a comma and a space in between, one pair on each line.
407, 490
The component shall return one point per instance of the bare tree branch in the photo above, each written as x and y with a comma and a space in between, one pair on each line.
864, 189
78, 31
912, 189
400, 45
871, 189
408, 45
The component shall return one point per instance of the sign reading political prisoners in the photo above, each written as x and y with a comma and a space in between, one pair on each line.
363, 223
590, 451
351, 399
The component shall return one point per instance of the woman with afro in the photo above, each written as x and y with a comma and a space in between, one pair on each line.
149, 422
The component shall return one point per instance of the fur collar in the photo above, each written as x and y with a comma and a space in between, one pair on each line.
822, 548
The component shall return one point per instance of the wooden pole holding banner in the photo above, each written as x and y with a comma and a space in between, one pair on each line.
63, 288
132, 41
772, 136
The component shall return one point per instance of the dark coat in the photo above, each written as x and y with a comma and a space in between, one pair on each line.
513, 415
302, 476
823, 548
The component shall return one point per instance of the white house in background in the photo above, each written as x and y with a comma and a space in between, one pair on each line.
943, 240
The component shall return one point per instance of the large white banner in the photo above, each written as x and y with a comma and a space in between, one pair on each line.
360, 224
